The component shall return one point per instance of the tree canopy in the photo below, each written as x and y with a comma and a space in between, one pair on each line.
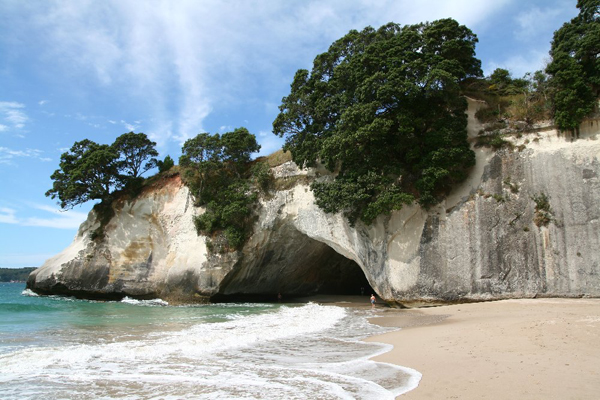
216, 169
92, 171
137, 154
383, 109
575, 67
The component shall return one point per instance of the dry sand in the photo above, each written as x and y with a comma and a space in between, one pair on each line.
510, 349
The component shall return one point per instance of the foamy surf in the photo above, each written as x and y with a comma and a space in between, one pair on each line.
258, 352
151, 302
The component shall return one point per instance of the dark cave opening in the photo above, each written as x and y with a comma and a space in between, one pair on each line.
294, 266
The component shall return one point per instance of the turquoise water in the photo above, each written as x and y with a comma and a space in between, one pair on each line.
62, 348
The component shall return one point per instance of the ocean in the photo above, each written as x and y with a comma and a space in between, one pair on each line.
64, 348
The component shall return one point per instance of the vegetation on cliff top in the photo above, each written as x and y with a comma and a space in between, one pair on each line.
383, 109
566, 92
92, 171
575, 66
218, 171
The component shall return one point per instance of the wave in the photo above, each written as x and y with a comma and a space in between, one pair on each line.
151, 302
29, 293
286, 352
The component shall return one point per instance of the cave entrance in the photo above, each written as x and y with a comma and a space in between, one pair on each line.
294, 265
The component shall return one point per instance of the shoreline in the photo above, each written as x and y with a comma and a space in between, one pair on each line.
526, 348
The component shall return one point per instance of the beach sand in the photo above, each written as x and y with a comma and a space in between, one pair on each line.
509, 349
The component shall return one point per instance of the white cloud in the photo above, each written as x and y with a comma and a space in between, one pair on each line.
519, 65
3, 128
59, 219
7, 155
129, 127
12, 113
182, 59
535, 21
7, 215
62, 219
42, 102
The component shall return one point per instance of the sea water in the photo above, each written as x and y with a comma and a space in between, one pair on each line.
63, 348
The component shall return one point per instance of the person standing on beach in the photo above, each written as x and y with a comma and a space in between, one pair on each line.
372, 300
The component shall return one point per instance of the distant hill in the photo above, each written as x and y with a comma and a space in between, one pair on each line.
15, 274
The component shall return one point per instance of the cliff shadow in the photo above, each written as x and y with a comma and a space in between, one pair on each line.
293, 265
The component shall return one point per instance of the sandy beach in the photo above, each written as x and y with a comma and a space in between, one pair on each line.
510, 349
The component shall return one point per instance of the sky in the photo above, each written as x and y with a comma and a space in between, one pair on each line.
71, 70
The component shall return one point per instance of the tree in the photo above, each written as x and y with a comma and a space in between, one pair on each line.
215, 169
92, 171
238, 145
202, 149
165, 164
137, 154
383, 108
502, 83
575, 67
88, 171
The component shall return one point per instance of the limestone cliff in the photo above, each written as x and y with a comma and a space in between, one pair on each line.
480, 243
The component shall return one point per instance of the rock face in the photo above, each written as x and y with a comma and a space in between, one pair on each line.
481, 243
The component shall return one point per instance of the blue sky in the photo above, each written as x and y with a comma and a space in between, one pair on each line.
79, 69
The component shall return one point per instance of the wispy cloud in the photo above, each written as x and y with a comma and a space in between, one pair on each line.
59, 219
7, 216
129, 127
8, 155
42, 102
536, 21
12, 113
519, 65
183, 59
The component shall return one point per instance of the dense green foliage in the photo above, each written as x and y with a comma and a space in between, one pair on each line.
88, 171
15, 274
165, 164
92, 171
216, 168
510, 99
575, 66
383, 109
136, 154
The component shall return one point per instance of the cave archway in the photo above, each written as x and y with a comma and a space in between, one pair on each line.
293, 264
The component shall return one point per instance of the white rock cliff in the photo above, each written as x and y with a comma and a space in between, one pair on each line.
481, 243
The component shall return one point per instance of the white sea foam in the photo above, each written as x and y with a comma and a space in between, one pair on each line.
151, 302
305, 352
30, 293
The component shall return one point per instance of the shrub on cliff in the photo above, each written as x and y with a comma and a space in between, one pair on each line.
383, 108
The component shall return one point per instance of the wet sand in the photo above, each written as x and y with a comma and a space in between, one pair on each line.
509, 349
